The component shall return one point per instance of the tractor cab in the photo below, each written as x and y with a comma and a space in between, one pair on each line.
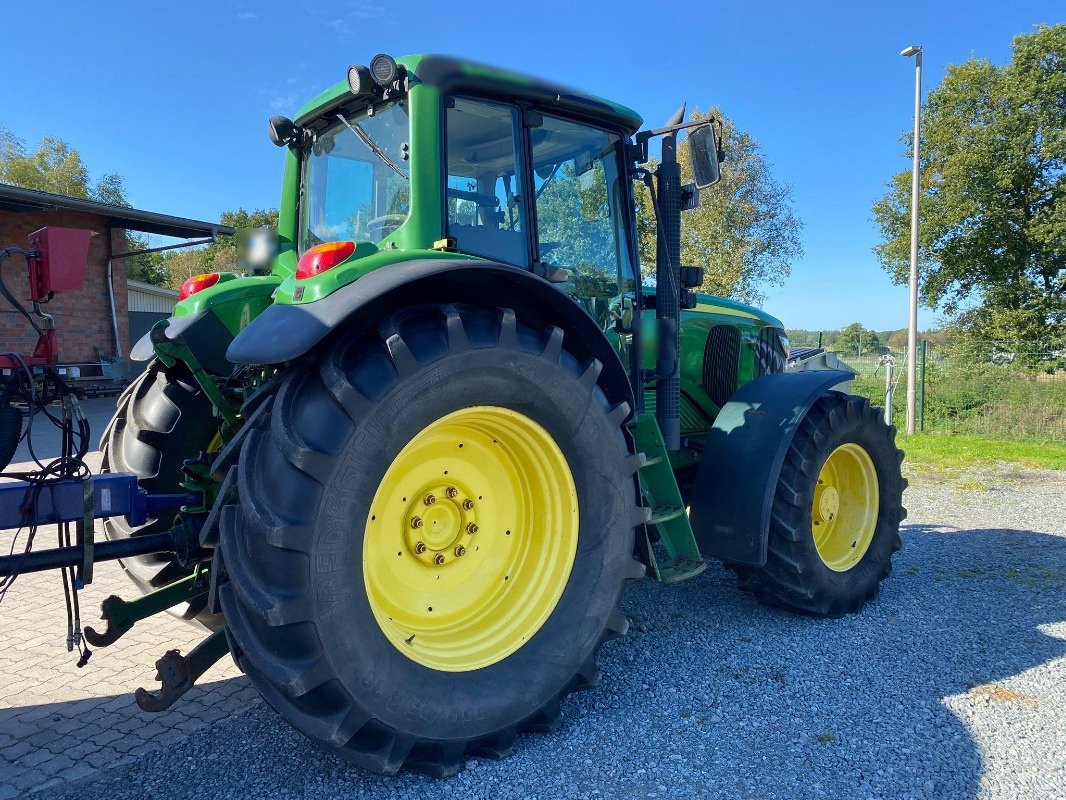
437, 154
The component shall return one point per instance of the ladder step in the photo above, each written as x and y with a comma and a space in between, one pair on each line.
665, 513
680, 571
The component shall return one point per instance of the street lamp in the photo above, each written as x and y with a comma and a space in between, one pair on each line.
912, 326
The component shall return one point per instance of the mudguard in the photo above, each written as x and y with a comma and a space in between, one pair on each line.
208, 320
742, 458
202, 331
284, 332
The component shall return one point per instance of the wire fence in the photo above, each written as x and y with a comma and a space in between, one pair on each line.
1011, 391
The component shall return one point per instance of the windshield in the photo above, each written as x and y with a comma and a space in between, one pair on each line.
355, 178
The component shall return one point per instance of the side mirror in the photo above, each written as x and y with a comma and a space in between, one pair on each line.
621, 309
256, 248
704, 149
283, 131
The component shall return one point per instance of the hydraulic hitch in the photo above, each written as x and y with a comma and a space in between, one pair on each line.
178, 673
120, 615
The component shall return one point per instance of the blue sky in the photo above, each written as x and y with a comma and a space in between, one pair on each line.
175, 96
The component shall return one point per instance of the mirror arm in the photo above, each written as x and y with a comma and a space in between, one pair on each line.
641, 148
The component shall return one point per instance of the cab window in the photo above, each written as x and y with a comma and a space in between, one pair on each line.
484, 191
580, 203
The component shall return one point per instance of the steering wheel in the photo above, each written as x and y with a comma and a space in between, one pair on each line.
379, 224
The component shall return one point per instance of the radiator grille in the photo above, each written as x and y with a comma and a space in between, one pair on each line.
721, 358
770, 353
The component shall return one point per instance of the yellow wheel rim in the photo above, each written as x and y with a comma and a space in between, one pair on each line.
470, 539
844, 511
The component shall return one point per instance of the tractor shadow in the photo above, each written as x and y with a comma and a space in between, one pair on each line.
713, 695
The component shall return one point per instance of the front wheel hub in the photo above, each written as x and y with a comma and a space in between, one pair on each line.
845, 507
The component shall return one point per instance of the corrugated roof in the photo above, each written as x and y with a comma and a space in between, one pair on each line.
19, 200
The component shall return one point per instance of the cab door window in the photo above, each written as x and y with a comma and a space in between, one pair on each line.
484, 188
581, 215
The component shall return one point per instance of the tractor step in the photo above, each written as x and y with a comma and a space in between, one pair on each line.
675, 557
665, 514
681, 571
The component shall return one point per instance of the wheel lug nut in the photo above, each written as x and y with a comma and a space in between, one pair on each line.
468, 504
420, 548
471, 528
451, 491
429, 499
416, 522
439, 559
460, 551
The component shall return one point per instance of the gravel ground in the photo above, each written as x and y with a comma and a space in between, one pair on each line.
950, 685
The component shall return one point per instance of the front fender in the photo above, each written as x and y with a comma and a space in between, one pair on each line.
285, 332
742, 457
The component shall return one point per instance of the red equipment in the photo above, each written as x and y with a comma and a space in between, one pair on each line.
59, 265
56, 263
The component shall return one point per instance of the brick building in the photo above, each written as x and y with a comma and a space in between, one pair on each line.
91, 326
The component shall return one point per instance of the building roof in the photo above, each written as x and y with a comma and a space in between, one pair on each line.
21, 201
150, 288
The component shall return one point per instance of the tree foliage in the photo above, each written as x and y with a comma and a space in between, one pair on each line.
54, 166
992, 241
859, 341
174, 267
744, 234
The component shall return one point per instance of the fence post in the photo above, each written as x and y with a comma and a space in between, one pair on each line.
922, 347
819, 338
889, 363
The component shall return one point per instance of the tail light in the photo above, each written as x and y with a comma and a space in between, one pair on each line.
323, 257
197, 283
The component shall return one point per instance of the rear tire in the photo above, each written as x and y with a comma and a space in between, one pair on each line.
841, 571
161, 419
10, 429
300, 602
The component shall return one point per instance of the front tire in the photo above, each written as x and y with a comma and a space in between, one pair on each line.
836, 512
374, 635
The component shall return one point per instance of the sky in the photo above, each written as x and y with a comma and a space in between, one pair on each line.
175, 96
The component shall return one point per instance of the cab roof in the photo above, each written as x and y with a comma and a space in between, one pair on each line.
457, 75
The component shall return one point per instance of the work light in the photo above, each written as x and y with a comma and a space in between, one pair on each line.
384, 69
359, 80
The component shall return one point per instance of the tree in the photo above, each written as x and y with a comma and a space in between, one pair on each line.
897, 340
55, 167
221, 255
174, 267
744, 233
992, 242
857, 340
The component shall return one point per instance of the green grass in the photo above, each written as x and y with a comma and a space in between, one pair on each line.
961, 451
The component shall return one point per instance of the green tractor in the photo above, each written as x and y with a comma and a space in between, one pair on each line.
444, 418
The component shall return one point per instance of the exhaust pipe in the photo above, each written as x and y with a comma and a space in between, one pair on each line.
668, 288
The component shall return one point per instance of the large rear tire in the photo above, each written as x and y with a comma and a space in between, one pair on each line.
415, 643
836, 512
162, 419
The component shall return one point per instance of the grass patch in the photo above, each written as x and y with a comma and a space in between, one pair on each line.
962, 451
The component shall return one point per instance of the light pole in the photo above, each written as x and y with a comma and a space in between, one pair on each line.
912, 326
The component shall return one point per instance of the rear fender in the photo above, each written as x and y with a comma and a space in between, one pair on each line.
285, 332
741, 462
